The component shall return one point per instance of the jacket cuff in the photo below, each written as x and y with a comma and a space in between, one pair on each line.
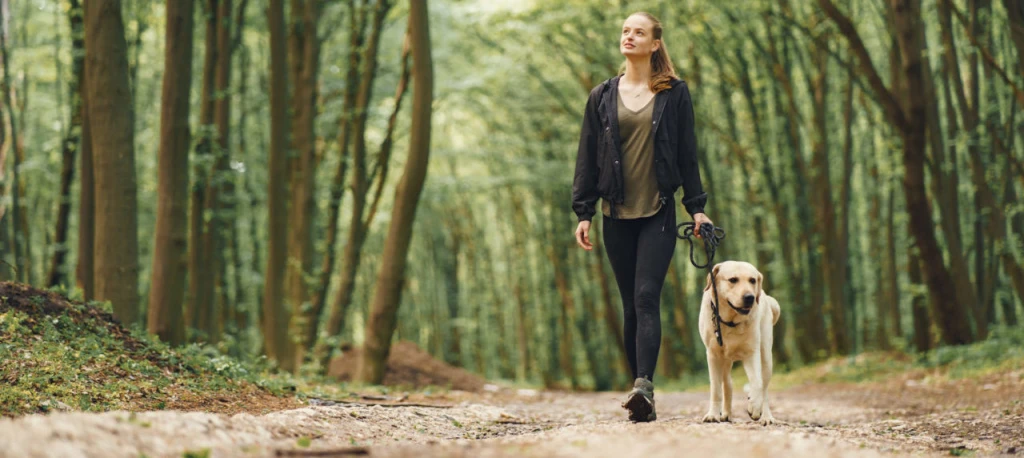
696, 203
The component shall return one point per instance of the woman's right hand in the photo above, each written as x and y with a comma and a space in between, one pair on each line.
583, 236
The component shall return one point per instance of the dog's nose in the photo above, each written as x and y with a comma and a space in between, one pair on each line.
748, 300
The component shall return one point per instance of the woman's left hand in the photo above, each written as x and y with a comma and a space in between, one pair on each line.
698, 220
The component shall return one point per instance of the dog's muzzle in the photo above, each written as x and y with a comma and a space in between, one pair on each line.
745, 310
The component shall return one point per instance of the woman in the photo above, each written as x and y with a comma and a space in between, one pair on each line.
637, 146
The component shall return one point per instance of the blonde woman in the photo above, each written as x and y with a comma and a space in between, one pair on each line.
637, 147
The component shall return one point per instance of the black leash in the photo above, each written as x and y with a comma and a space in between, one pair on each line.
711, 236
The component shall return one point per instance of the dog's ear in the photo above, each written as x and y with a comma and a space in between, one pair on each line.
760, 287
714, 272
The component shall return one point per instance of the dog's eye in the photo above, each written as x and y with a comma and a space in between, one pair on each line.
753, 282
733, 280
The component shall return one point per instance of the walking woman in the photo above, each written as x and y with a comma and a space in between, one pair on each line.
637, 147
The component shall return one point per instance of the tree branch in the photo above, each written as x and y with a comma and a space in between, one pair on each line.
985, 54
848, 30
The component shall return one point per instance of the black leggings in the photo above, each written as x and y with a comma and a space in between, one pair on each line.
640, 251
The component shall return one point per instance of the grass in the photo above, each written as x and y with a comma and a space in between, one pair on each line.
57, 354
1002, 351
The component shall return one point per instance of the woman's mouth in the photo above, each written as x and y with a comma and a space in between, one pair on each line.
629, 46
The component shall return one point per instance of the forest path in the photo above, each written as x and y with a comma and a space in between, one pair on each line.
907, 415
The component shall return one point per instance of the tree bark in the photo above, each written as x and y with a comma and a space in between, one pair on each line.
1015, 12
111, 120
275, 313
171, 240
200, 269
387, 297
358, 226
70, 146
919, 311
304, 53
951, 315
217, 201
85, 271
320, 350
19, 242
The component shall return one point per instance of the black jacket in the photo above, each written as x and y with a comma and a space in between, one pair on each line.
598, 161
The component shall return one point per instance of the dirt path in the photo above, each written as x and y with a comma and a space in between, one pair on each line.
982, 417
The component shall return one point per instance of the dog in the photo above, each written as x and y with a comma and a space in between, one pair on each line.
748, 315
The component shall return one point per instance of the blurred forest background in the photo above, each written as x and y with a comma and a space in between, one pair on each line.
244, 173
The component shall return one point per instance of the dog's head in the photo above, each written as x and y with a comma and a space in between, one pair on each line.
739, 289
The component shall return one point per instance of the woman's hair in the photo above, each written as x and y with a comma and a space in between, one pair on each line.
662, 71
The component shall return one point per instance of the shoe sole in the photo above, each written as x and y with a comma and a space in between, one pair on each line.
640, 409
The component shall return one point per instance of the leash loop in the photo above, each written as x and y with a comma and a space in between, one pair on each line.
712, 236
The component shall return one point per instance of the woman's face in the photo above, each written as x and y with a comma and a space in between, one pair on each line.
637, 38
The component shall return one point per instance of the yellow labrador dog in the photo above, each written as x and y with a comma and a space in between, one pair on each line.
747, 315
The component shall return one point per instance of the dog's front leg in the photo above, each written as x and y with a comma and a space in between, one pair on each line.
755, 403
726, 371
715, 403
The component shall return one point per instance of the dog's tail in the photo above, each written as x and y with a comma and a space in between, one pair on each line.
776, 311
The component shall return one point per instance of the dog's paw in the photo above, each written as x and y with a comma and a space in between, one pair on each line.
754, 407
713, 417
766, 420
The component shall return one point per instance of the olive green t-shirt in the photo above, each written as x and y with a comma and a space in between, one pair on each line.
641, 197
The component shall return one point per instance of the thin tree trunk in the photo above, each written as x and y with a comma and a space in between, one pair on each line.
275, 313
70, 146
893, 285
85, 271
200, 270
19, 234
983, 199
1015, 12
217, 203
112, 122
387, 297
357, 224
919, 311
356, 28
951, 316
170, 250
304, 51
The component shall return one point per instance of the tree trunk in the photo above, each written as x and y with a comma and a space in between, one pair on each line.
70, 146
834, 271
387, 296
19, 232
200, 268
217, 201
304, 53
953, 318
275, 312
112, 122
1015, 11
919, 311
892, 277
951, 315
85, 272
321, 351
358, 226
170, 250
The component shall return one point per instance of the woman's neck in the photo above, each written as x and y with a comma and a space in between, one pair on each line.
638, 71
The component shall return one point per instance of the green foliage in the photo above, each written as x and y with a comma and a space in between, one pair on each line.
1003, 350
77, 358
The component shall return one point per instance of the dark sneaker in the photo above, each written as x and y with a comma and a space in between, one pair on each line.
640, 401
